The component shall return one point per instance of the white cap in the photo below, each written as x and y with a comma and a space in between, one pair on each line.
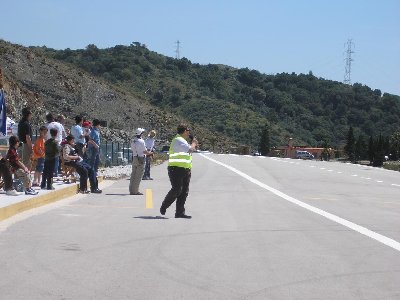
139, 131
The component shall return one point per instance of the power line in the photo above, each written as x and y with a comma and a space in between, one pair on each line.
348, 60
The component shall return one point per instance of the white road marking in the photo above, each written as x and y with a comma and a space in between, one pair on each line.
395, 184
379, 181
354, 175
70, 215
360, 229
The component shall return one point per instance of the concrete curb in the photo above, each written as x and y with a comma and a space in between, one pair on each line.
40, 200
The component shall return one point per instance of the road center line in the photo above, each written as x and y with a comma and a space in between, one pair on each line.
149, 198
373, 235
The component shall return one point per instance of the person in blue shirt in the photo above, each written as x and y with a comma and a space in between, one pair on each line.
79, 135
94, 149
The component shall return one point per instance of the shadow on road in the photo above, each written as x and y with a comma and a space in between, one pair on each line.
151, 218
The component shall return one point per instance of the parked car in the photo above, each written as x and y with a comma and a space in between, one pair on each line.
304, 155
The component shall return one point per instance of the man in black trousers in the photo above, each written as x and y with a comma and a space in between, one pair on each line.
179, 171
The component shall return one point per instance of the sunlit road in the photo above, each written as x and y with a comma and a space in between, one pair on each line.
262, 228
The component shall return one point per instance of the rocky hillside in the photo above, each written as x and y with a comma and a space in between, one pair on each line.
46, 85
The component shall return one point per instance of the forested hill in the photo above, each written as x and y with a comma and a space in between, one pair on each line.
239, 102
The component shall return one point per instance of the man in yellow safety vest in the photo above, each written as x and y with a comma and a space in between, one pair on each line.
179, 171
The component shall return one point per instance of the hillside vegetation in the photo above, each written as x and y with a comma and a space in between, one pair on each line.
238, 102
47, 85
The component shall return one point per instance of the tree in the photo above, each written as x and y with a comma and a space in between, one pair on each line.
395, 146
350, 145
379, 153
360, 149
264, 145
92, 51
371, 149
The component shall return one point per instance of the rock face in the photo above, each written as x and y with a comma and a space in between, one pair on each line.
47, 85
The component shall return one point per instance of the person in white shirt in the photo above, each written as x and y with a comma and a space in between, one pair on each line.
138, 156
79, 135
149, 143
61, 119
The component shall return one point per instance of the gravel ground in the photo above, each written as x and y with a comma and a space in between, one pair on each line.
116, 172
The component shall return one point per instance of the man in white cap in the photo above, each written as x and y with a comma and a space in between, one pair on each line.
138, 159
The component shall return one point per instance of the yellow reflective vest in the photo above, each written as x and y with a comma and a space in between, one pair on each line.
179, 159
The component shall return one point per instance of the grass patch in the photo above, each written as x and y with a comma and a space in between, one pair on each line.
392, 165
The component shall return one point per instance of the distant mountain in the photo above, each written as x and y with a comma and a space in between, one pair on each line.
33, 79
238, 102
131, 85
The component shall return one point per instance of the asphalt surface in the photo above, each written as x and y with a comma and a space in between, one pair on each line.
262, 228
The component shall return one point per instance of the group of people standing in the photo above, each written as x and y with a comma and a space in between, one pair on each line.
53, 145
80, 149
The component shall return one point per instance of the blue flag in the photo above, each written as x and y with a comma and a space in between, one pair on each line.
3, 116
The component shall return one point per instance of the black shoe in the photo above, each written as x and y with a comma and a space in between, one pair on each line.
83, 192
163, 210
183, 216
138, 193
96, 191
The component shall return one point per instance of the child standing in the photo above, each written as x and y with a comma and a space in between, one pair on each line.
52, 152
17, 167
38, 155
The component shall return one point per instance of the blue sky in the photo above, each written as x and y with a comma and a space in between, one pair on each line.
269, 36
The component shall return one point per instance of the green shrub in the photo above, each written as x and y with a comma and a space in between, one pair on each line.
392, 165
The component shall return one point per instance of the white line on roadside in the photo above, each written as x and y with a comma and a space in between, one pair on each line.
369, 233
396, 184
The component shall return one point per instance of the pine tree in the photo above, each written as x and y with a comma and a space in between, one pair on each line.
360, 151
264, 145
379, 152
395, 146
371, 149
350, 145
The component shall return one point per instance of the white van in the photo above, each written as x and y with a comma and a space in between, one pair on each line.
304, 155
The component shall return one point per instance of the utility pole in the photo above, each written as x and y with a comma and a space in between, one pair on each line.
177, 54
348, 60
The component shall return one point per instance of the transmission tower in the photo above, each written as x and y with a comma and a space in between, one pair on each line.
348, 60
177, 54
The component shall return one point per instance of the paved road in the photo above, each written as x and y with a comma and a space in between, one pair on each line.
262, 228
